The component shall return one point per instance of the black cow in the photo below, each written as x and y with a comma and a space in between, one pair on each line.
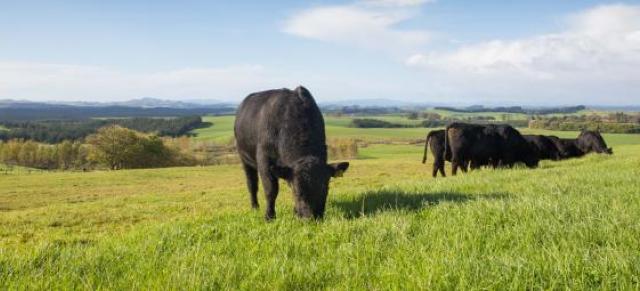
566, 147
280, 134
545, 146
487, 145
435, 141
514, 148
587, 142
592, 142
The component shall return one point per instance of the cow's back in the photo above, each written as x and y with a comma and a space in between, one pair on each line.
287, 124
471, 139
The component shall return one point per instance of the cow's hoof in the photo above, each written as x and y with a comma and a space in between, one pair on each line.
270, 216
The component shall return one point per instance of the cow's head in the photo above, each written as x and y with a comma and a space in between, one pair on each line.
309, 179
592, 141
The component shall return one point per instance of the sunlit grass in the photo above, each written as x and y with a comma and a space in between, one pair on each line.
571, 224
567, 225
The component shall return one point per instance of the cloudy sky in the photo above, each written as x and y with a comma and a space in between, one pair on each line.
544, 52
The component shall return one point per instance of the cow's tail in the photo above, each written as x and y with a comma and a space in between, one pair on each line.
426, 145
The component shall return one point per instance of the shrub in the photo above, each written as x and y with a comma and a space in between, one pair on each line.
342, 149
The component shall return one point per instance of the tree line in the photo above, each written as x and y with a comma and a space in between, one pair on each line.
429, 123
515, 109
618, 122
114, 147
111, 147
56, 131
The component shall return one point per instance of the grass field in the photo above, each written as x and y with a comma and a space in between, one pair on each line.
567, 225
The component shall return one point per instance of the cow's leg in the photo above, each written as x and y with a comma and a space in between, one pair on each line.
441, 167
475, 164
269, 184
464, 165
455, 163
252, 184
436, 166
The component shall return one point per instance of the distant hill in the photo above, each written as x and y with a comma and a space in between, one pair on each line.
145, 107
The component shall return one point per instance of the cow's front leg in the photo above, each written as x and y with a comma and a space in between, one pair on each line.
269, 184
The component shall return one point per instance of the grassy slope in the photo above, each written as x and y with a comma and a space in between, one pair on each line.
572, 224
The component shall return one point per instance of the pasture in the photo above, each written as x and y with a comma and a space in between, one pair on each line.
389, 225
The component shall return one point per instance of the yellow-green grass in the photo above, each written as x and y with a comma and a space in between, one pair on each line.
567, 225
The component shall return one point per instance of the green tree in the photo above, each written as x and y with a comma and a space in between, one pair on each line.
114, 146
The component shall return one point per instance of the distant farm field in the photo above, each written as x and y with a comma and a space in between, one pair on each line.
338, 127
568, 225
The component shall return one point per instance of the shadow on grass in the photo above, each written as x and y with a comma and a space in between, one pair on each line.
370, 203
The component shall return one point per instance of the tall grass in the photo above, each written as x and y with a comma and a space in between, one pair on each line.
568, 225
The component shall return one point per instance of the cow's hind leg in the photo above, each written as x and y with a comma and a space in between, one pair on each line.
441, 168
252, 184
270, 186
455, 163
476, 164
438, 166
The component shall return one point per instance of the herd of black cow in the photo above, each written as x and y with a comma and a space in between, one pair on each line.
498, 145
280, 135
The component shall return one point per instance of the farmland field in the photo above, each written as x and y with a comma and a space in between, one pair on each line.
337, 127
567, 225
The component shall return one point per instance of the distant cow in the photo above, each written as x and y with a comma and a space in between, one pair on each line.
545, 146
280, 134
435, 142
487, 145
587, 142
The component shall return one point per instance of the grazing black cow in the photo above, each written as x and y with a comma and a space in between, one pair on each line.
487, 145
592, 142
587, 142
435, 141
470, 142
514, 148
566, 147
545, 146
280, 134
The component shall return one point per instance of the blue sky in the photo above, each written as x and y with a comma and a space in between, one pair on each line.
444, 51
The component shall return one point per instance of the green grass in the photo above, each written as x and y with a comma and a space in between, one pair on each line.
567, 225
389, 225
220, 131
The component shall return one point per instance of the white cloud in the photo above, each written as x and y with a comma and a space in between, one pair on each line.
369, 24
602, 43
38, 81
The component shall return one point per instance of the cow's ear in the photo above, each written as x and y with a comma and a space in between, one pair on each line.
338, 169
282, 172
